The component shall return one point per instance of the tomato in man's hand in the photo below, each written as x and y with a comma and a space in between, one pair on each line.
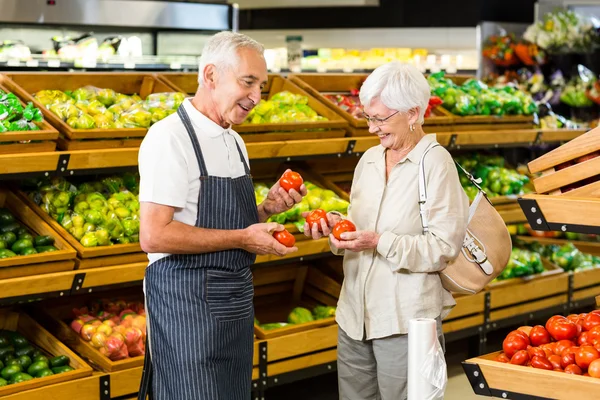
341, 227
315, 217
291, 180
285, 238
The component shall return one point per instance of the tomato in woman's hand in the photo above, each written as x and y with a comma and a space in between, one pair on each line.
341, 227
291, 180
520, 358
315, 217
585, 355
560, 328
591, 320
541, 363
514, 343
285, 238
573, 369
539, 336
555, 360
502, 358
594, 369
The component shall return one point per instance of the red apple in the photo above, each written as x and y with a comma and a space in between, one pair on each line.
87, 331
98, 340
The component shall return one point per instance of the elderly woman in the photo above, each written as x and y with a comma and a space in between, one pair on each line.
390, 265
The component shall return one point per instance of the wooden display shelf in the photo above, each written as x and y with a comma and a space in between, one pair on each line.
25, 84
87, 252
277, 290
467, 313
42, 339
550, 270
560, 213
29, 163
42, 140
61, 260
502, 380
82, 389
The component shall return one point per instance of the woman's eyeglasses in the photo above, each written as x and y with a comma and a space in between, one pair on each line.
378, 121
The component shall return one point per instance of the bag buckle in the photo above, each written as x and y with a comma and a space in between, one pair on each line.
480, 256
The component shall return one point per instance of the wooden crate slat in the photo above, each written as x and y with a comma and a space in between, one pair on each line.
37, 284
114, 275
106, 158
109, 261
296, 148
586, 293
28, 162
73, 145
66, 390
496, 137
589, 190
42, 147
302, 343
125, 382
466, 305
560, 135
527, 307
586, 277
462, 323
566, 176
558, 209
36, 269
504, 296
511, 213
295, 135
299, 363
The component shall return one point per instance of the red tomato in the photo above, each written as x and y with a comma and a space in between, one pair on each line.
291, 180
341, 227
315, 217
502, 358
567, 359
521, 334
514, 343
539, 336
562, 345
541, 363
591, 320
584, 339
561, 328
594, 333
520, 357
536, 351
573, 369
525, 329
555, 360
594, 369
585, 355
285, 238
573, 318
595, 312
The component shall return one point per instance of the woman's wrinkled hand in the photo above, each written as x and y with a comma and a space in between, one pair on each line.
326, 226
356, 241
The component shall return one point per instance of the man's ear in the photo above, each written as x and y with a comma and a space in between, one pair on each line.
210, 76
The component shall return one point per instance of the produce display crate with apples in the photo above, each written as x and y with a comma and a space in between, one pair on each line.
292, 128
545, 355
24, 140
36, 351
340, 93
61, 200
293, 298
109, 332
29, 245
105, 90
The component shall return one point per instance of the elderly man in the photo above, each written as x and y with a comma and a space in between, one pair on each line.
200, 227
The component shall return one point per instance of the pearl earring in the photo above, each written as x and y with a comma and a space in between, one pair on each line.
412, 127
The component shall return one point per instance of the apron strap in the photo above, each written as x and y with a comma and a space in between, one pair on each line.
246, 168
145, 392
192, 134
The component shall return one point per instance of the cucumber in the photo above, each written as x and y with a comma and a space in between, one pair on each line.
29, 252
43, 241
63, 369
42, 358
6, 217
6, 253
59, 361
25, 351
44, 372
20, 377
25, 236
12, 227
13, 361
3, 382
21, 245
45, 249
35, 368
6, 351
19, 341
8, 238
8, 372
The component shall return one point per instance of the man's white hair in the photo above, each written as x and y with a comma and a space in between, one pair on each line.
399, 87
221, 51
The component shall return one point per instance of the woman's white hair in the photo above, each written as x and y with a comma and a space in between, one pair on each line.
221, 51
399, 87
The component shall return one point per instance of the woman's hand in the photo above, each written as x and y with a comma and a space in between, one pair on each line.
356, 241
326, 226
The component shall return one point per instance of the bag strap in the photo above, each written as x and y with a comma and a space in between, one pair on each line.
423, 186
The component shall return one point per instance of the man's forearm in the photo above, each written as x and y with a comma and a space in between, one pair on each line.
179, 238
263, 215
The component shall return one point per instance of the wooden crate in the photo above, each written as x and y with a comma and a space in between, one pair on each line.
334, 128
277, 290
41, 338
25, 84
89, 256
318, 85
533, 382
550, 270
57, 316
61, 260
42, 140
467, 313
573, 165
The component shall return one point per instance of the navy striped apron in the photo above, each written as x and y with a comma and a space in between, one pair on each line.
200, 306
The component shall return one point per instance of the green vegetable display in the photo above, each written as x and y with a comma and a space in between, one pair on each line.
15, 117
569, 258
90, 107
17, 240
476, 98
495, 179
99, 213
20, 361
300, 315
316, 197
283, 107
522, 263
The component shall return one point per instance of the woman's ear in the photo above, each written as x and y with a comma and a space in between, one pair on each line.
413, 115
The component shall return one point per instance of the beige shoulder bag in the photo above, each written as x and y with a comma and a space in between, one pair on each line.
487, 245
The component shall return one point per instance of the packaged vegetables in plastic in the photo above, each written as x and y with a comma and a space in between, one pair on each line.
283, 107
90, 107
15, 117
522, 263
98, 213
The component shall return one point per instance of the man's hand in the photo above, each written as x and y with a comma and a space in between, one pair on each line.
278, 200
258, 239
356, 241
326, 227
